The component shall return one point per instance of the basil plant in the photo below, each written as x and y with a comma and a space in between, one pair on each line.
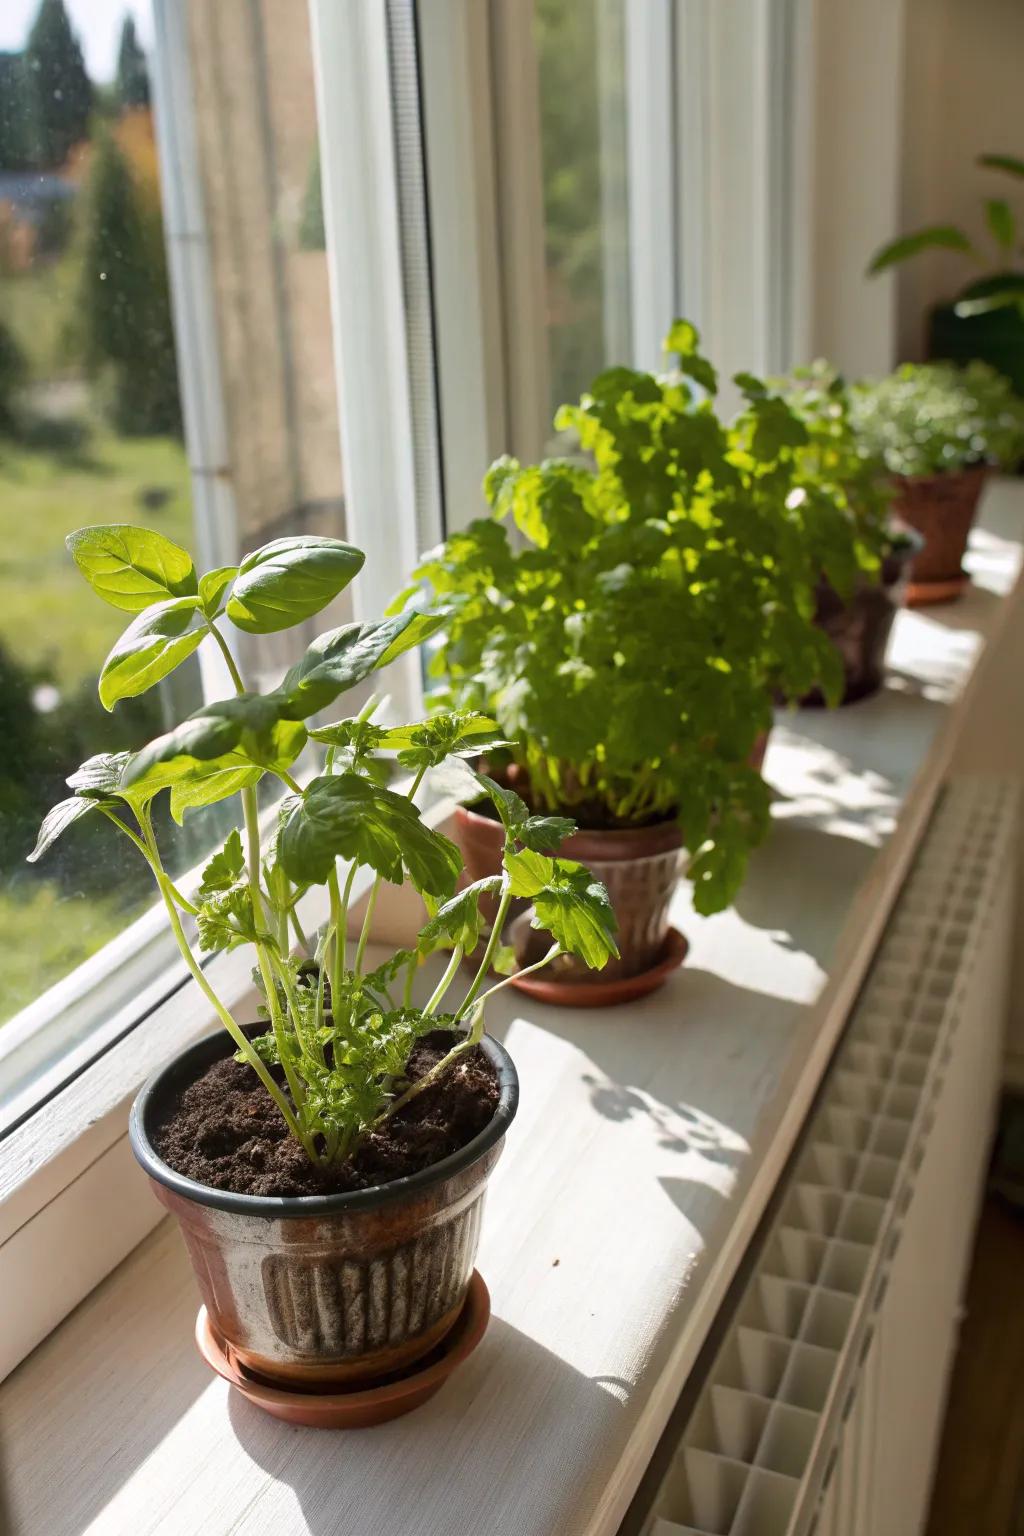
335, 1056
659, 594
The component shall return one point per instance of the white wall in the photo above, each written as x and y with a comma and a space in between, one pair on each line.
963, 94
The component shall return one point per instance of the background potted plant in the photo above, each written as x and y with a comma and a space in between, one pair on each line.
328, 1167
631, 639
859, 623
986, 319
937, 430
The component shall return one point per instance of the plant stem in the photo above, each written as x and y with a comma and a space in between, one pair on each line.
297, 925
492, 944
552, 954
364, 934
252, 834
472, 1038
233, 672
446, 979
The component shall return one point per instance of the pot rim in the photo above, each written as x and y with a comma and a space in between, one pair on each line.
665, 822
277, 1207
977, 467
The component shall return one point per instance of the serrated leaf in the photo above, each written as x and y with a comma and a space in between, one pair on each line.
574, 908
224, 868
545, 834
347, 816
513, 811
428, 743
935, 237
213, 586
156, 642
289, 580
58, 819
130, 567
460, 918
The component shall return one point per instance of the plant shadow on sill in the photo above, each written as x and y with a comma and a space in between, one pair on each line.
511, 1381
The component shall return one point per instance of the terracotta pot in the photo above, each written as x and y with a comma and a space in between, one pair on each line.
942, 508
860, 629
639, 866
328, 1289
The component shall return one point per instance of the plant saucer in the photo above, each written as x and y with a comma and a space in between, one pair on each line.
921, 594
361, 1407
568, 992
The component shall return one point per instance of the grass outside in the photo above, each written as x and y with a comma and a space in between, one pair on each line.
51, 621
36, 308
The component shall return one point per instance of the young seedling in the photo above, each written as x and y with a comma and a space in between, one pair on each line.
335, 1058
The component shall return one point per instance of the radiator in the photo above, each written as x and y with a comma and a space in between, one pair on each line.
822, 1410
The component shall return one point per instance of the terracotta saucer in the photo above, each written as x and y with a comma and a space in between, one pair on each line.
361, 1407
922, 593
605, 994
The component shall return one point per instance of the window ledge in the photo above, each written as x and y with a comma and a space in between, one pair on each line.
647, 1146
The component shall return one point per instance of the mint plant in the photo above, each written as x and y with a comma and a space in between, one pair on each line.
335, 1056
660, 592
932, 418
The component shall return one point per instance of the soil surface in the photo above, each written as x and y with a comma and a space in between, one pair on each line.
226, 1132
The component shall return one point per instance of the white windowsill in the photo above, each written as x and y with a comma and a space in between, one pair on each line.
648, 1142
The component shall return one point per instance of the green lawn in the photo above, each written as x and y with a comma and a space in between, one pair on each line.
48, 615
52, 621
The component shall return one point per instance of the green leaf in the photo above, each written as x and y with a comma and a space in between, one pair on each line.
460, 918
427, 744
574, 908
155, 642
247, 724
130, 567
1011, 164
341, 658
544, 834
1001, 222
936, 236
58, 819
213, 786
99, 776
212, 587
684, 340
225, 920
224, 868
513, 811
348, 817
1005, 298
290, 580
529, 872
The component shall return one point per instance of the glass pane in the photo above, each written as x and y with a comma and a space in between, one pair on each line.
581, 61
90, 420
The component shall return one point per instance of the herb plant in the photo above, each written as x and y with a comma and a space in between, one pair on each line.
335, 1057
661, 591
929, 418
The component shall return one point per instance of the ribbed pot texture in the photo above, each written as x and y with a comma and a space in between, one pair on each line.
639, 866
942, 508
860, 629
329, 1290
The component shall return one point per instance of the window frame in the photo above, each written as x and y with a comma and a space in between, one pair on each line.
71, 1202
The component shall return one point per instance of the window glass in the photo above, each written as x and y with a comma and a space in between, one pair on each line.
90, 415
581, 62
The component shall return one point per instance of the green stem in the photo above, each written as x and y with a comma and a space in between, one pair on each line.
492, 944
299, 934
472, 1038
446, 979
410, 978
364, 933
252, 834
235, 675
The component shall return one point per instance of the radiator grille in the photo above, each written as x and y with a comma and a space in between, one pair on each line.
821, 1409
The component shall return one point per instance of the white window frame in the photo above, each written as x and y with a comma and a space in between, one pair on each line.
72, 1204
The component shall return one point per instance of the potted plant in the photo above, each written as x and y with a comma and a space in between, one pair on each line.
630, 640
327, 1166
938, 429
858, 622
985, 322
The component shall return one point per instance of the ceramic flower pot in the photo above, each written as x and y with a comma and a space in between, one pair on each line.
328, 1290
638, 865
860, 628
942, 509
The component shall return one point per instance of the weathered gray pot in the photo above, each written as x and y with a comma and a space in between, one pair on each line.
329, 1289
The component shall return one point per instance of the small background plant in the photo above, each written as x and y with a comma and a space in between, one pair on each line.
335, 1057
929, 418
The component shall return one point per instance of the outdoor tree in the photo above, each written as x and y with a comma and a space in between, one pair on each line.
123, 299
132, 74
59, 89
15, 135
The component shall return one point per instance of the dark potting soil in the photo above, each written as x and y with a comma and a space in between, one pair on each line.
226, 1132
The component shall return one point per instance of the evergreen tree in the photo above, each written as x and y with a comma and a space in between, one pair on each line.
15, 126
132, 74
59, 87
124, 301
